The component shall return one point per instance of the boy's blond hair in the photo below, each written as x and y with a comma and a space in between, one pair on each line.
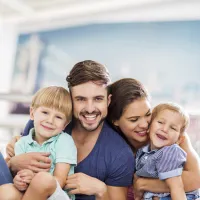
54, 97
175, 108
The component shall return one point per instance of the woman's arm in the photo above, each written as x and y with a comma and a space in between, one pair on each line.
176, 188
190, 175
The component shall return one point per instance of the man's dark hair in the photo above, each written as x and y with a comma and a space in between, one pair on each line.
88, 70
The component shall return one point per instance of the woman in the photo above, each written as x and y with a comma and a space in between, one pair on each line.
130, 113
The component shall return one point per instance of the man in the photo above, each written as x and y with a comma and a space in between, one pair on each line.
105, 162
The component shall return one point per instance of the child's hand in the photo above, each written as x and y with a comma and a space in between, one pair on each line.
19, 184
26, 175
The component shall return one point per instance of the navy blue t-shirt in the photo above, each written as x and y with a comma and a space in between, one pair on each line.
111, 160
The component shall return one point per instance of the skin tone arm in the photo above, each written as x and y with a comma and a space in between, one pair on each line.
35, 162
85, 184
175, 185
61, 172
190, 175
47, 182
22, 179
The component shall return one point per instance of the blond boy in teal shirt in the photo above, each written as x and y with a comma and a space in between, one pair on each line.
51, 110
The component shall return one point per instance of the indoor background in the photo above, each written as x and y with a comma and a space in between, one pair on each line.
154, 41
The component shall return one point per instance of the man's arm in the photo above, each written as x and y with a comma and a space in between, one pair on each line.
190, 175
84, 184
33, 161
118, 193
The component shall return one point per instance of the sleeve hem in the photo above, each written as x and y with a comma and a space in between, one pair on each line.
63, 160
169, 174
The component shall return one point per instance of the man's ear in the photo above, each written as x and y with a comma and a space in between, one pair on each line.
31, 113
181, 139
109, 99
66, 124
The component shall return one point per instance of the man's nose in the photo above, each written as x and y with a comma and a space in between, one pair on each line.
90, 107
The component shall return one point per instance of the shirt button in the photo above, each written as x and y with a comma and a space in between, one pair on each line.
146, 157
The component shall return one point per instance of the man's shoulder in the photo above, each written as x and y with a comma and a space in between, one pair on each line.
112, 141
111, 136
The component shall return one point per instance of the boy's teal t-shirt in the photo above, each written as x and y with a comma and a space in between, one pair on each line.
61, 147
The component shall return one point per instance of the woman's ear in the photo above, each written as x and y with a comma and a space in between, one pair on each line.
116, 123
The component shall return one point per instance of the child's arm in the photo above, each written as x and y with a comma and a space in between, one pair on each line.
61, 172
66, 157
176, 187
190, 175
22, 179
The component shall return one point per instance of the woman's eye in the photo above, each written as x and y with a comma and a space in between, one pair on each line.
160, 122
133, 120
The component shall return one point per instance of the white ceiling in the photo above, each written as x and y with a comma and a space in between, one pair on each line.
45, 14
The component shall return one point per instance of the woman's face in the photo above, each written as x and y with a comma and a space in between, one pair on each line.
134, 122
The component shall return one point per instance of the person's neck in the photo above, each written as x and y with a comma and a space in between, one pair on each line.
82, 136
135, 145
39, 140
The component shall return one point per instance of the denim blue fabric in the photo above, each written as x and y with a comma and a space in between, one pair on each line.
5, 175
189, 197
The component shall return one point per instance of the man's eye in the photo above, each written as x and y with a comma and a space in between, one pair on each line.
80, 99
98, 99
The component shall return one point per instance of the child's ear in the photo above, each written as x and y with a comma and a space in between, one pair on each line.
31, 113
180, 140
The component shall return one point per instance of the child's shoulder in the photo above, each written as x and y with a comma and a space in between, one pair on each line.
64, 142
173, 149
173, 146
65, 137
23, 139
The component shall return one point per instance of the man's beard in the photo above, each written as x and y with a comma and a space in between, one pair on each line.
78, 121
